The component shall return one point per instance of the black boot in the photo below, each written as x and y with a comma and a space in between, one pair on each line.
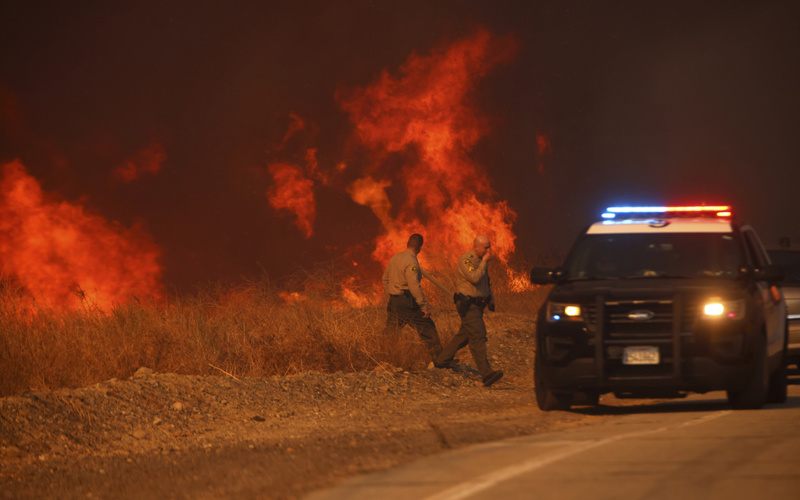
492, 377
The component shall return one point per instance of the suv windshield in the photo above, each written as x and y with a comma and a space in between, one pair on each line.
645, 255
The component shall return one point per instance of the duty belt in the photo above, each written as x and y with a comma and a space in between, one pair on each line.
407, 293
478, 301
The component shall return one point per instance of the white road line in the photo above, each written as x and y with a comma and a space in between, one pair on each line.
469, 488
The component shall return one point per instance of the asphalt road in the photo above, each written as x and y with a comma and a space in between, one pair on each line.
691, 448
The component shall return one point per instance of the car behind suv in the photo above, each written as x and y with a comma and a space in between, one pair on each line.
656, 302
789, 260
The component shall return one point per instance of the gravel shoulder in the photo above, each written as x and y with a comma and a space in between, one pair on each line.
161, 435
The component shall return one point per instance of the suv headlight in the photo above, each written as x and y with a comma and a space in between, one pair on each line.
563, 312
717, 308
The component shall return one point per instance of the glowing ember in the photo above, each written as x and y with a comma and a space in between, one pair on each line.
148, 160
293, 192
68, 257
292, 297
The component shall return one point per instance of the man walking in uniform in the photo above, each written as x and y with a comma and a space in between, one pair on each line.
407, 305
474, 293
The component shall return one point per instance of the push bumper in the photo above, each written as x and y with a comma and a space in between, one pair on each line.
696, 375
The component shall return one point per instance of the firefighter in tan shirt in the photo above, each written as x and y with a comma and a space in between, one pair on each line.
473, 295
407, 305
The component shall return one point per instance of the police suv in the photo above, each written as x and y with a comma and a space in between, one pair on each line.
656, 302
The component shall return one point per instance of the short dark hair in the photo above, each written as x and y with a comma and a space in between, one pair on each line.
415, 241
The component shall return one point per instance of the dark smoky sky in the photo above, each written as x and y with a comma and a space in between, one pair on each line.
642, 102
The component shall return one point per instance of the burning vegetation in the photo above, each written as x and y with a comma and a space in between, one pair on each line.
65, 257
82, 296
416, 129
424, 115
292, 192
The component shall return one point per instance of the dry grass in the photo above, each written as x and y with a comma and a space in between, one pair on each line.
247, 331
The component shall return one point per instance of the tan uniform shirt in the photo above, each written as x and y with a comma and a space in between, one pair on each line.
402, 273
473, 276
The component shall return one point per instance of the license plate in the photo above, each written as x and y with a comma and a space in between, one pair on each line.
640, 355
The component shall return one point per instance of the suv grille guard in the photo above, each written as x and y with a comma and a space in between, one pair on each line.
673, 338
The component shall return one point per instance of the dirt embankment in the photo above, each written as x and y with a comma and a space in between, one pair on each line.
174, 436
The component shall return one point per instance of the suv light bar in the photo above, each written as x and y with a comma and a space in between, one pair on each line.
643, 212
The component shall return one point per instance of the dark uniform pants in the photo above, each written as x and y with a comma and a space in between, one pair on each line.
403, 310
472, 332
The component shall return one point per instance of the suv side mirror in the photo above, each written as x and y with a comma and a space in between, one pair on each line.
544, 275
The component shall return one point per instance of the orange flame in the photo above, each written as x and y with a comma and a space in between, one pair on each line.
371, 193
293, 192
518, 281
297, 125
356, 298
417, 129
66, 256
292, 297
148, 160
424, 116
